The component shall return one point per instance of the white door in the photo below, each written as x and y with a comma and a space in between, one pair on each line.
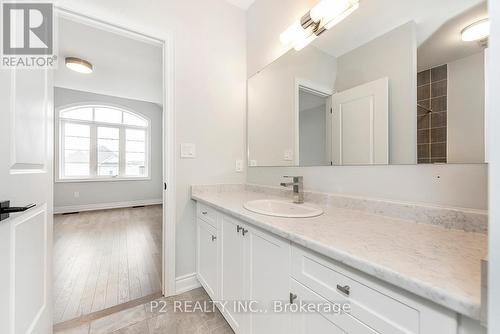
26, 177
268, 261
360, 124
207, 258
233, 271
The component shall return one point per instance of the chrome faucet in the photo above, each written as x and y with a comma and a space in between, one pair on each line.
298, 188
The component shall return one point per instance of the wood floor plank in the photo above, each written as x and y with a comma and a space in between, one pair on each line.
105, 258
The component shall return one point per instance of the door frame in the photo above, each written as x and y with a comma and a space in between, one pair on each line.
313, 88
166, 41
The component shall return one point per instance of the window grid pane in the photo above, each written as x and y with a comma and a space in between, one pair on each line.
112, 152
108, 151
76, 150
135, 153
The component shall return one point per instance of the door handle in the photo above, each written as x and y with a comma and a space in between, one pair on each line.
6, 209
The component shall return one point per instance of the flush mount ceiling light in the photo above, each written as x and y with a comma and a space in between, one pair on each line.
476, 31
320, 18
79, 65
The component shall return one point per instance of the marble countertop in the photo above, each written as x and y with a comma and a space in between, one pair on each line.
439, 264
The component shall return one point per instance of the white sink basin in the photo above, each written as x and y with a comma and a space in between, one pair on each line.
278, 208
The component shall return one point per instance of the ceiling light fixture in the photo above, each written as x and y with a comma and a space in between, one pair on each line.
476, 31
320, 18
79, 65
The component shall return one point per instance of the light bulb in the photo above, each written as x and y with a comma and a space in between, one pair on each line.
342, 16
328, 9
299, 45
293, 33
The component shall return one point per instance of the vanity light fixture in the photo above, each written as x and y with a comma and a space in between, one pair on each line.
79, 65
320, 18
478, 30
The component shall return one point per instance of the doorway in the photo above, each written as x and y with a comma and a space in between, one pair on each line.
111, 167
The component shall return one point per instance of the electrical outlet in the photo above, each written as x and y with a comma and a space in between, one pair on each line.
76, 194
239, 166
288, 155
188, 151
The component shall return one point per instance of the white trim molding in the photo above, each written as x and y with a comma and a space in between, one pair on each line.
106, 206
186, 283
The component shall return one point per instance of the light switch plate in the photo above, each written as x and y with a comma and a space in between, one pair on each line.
239, 166
188, 151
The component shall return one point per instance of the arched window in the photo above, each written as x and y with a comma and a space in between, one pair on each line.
99, 142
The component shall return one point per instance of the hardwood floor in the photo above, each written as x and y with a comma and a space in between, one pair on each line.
105, 258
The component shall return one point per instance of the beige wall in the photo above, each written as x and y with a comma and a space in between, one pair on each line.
466, 109
209, 97
453, 185
392, 55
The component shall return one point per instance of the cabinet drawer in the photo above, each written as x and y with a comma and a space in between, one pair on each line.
207, 214
379, 310
323, 323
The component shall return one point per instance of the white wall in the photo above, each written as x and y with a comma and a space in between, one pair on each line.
391, 55
113, 191
466, 109
209, 97
458, 185
272, 95
494, 171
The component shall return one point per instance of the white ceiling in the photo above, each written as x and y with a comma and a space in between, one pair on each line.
377, 17
123, 66
445, 45
243, 4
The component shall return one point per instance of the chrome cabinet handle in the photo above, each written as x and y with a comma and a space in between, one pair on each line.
346, 289
214, 238
238, 228
292, 297
244, 232
204, 212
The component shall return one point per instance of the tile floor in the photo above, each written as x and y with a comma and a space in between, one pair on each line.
144, 319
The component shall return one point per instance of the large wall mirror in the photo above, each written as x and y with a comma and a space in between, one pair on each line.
393, 83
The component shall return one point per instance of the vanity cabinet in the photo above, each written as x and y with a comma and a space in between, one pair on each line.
233, 276
255, 267
207, 263
240, 262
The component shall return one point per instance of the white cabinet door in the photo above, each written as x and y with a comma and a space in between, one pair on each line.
268, 267
360, 124
207, 263
26, 156
322, 322
233, 275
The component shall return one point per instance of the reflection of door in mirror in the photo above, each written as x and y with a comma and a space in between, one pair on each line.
360, 124
314, 127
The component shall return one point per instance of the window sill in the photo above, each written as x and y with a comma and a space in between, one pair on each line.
115, 179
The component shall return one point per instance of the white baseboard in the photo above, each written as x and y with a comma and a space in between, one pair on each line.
186, 283
104, 206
